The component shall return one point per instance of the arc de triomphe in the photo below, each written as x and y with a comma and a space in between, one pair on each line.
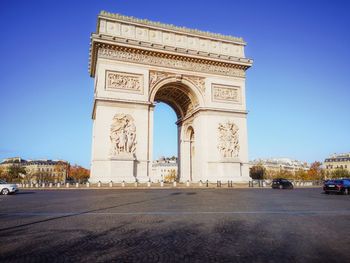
136, 63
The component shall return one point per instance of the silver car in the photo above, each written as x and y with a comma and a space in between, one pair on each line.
6, 188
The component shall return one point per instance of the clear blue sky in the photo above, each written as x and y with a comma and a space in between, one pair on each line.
298, 89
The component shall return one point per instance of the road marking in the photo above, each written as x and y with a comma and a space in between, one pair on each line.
171, 213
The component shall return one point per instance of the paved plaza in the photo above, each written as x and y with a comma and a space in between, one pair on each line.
172, 225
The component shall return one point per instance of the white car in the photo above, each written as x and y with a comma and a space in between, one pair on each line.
6, 188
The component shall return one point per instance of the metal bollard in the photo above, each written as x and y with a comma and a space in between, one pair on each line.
77, 185
110, 184
87, 184
174, 183
136, 184
188, 183
161, 184
200, 183
123, 184
50, 185
149, 183
99, 184
58, 185
67, 185
207, 183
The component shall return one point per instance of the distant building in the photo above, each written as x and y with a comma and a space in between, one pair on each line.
40, 170
163, 167
337, 161
281, 164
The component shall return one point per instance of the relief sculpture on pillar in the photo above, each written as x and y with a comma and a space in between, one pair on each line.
228, 140
123, 135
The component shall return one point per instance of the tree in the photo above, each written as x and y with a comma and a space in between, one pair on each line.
43, 177
60, 171
15, 173
316, 172
301, 174
340, 173
171, 176
271, 174
285, 174
2, 172
257, 172
78, 173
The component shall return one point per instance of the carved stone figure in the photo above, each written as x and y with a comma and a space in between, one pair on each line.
123, 135
228, 140
123, 81
156, 76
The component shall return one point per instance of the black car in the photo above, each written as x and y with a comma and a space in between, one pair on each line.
341, 186
281, 183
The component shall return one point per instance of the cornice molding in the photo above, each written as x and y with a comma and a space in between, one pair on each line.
114, 16
164, 59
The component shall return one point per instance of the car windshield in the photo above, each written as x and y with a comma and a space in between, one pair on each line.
338, 181
334, 181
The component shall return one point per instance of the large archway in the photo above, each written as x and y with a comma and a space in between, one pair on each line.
180, 94
136, 63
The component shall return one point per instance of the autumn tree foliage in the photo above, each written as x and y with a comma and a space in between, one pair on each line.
171, 176
78, 173
339, 173
257, 172
315, 172
14, 173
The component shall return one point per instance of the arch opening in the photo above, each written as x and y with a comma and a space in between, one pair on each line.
183, 100
178, 96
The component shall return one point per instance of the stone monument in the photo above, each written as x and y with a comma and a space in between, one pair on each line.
136, 63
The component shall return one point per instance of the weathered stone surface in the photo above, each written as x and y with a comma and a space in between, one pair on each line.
136, 63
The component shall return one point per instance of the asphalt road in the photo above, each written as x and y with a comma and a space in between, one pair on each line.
187, 225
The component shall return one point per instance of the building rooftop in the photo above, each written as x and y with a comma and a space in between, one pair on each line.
280, 161
18, 160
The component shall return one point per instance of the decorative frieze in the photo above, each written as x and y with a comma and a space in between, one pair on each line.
146, 22
224, 93
124, 81
157, 76
171, 61
123, 135
228, 140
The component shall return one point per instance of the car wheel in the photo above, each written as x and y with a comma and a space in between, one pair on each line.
346, 191
5, 191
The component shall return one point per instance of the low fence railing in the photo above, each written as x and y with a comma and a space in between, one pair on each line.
296, 183
200, 184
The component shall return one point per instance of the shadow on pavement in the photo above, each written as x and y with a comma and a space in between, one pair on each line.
229, 240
